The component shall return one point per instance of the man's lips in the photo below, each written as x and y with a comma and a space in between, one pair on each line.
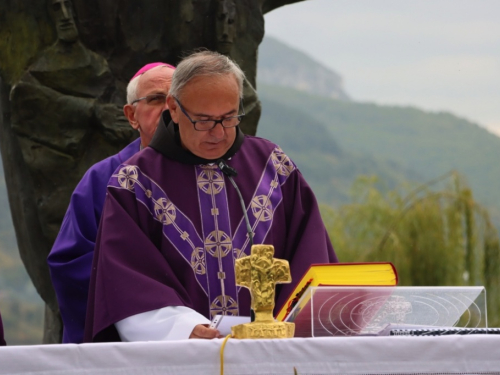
214, 144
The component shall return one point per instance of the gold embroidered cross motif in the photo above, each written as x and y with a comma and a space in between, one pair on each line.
282, 162
165, 211
211, 182
262, 208
218, 244
198, 261
127, 177
223, 305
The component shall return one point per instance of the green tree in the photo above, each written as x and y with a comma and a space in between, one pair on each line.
435, 234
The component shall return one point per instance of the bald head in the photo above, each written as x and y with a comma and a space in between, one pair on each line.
146, 99
132, 86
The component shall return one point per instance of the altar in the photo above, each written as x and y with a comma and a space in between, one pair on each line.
458, 354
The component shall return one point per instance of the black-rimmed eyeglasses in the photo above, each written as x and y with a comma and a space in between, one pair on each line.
153, 99
205, 125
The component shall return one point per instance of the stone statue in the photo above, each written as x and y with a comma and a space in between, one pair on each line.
65, 117
226, 34
64, 68
159, 30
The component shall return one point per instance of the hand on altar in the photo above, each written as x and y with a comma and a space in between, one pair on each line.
201, 331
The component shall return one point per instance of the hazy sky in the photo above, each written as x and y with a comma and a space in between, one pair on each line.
432, 54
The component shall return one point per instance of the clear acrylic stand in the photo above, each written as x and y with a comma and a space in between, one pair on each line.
350, 311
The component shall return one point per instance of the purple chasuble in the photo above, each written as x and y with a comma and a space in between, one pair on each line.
2, 340
70, 259
171, 231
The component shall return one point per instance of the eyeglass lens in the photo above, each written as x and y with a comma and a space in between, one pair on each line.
228, 122
156, 99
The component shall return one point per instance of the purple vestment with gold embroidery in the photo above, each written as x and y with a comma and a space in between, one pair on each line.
171, 231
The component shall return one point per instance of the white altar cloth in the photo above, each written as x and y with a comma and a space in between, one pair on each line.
472, 354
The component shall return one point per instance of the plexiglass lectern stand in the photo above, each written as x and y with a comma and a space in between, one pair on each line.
350, 311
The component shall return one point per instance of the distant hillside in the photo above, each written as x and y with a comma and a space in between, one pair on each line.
284, 66
430, 144
329, 168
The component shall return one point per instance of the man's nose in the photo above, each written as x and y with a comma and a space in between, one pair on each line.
218, 131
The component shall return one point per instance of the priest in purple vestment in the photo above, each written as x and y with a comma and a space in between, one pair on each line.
173, 224
70, 259
2, 340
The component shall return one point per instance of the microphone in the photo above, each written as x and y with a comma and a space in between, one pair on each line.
230, 172
226, 169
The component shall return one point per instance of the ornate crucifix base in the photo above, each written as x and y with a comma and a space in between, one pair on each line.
257, 330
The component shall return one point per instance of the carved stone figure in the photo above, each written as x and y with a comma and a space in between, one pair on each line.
64, 116
226, 34
64, 119
134, 33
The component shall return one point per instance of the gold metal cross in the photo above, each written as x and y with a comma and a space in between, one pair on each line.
260, 273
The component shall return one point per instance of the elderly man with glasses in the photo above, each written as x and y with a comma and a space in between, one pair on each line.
70, 259
172, 226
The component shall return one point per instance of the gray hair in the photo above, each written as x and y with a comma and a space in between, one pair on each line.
134, 82
132, 89
204, 63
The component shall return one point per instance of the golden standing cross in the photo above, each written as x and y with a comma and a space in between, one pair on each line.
260, 273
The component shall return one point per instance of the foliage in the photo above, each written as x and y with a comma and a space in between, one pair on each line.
20, 306
22, 319
434, 237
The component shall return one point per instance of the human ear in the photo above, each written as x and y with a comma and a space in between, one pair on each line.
173, 108
129, 111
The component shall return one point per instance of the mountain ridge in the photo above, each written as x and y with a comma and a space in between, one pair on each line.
282, 65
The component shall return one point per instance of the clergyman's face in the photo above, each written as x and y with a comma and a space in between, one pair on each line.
145, 114
62, 15
206, 98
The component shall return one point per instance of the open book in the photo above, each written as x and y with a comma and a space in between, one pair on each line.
339, 311
340, 274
